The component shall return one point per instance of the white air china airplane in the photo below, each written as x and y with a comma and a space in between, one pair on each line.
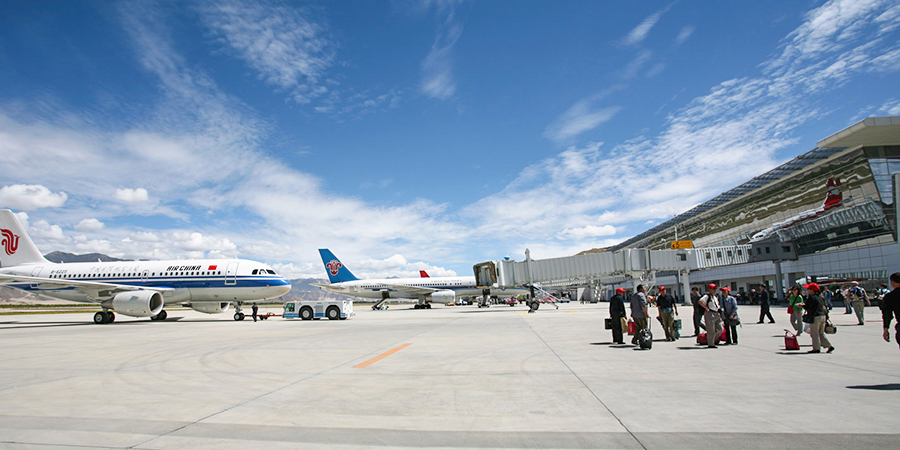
833, 199
135, 288
424, 289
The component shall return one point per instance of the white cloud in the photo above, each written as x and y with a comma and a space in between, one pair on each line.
138, 195
684, 34
583, 116
44, 230
437, 68
891, 108
144, 236
286, 46
30, 197
640, 32
589, 231
88, 225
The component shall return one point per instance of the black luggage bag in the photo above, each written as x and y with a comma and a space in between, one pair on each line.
645, 339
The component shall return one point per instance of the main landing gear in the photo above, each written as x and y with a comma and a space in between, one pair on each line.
238, 315
104, 317
161, 316
422, 306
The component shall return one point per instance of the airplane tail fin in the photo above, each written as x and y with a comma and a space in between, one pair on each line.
834, 197
16, 247
337, 273
423, 274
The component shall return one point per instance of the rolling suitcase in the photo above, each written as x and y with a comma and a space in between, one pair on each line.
701, 338
645, 339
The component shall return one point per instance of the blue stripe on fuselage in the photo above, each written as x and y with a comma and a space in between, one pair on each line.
169, 282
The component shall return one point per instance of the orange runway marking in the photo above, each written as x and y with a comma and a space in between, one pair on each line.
380, 357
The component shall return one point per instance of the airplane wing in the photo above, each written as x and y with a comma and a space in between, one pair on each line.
413, 290
93, 289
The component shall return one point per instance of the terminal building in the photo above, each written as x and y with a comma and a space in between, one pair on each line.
830, 215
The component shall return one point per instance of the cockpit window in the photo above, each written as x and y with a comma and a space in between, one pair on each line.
271, 272
255, 271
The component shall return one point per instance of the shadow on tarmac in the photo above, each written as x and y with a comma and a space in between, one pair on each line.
878, 387
23, 325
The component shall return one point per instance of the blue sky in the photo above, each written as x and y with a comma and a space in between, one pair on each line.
409, 135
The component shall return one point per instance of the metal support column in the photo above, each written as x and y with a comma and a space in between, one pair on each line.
779, 281
686, 286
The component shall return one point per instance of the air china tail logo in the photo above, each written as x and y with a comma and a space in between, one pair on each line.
334, 266
10, 242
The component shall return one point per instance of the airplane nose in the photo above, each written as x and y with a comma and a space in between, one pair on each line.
282, 289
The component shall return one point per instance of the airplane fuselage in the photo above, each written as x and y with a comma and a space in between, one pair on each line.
186, 281
375, 288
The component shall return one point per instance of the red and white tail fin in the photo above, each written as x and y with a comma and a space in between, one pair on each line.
834, 197
16, 248
423, 274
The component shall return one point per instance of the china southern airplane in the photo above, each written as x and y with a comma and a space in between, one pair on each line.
135, 288
424, 289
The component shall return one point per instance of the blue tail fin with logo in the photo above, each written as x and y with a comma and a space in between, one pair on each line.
337, 273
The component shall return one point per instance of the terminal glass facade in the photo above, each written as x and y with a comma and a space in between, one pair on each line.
797, 207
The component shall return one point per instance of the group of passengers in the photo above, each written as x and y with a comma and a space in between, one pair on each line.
717, 310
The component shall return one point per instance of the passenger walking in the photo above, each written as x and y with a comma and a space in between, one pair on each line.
711, 315
845, 294
827, 296
667, 309
729, 317
880, 292
698, 311
890, 308
255, 310
639, 305
857, 296
815, 307
616, 314
764, 304
795, 309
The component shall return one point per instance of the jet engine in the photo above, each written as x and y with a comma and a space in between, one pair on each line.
443, 296
138, 303
211, 308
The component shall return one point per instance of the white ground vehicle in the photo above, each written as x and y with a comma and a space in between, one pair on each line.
309, 310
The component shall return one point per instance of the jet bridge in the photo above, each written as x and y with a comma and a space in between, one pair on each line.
606, 267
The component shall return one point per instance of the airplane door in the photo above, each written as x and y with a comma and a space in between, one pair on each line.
36, 272
231, 273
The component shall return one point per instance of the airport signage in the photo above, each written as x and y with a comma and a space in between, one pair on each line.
676, 245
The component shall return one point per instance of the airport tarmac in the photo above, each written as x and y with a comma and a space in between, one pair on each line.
449, 377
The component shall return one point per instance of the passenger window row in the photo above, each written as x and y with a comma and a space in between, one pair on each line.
126, 275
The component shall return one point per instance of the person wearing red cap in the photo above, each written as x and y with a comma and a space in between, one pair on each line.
616, 314
711, 316
666, 311
815, 307
730, 316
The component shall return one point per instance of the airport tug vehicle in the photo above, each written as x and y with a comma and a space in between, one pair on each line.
315, 310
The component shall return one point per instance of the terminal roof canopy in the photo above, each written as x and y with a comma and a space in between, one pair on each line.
869, 132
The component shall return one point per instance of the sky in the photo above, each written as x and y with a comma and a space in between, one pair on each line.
408, 135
